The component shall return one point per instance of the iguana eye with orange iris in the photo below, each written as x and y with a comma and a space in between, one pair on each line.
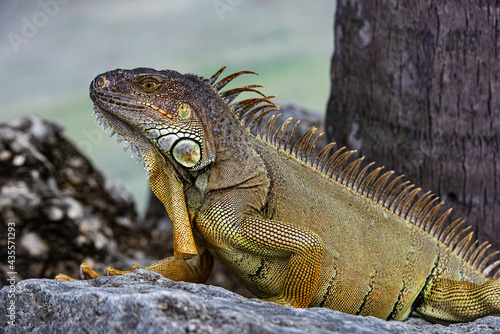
184, 110
149, 85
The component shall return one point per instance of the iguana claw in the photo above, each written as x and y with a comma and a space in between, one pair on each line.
114, 272
86, 271
63, 277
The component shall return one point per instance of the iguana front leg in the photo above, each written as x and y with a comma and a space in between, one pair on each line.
269, 239
447, 300
194, 270
303, 247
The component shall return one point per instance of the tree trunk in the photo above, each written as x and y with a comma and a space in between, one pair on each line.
415, 87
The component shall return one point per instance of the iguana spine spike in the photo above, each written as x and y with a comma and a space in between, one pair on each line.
290, 139
257, 121
269, 127
423, 213
348, 174
491, 267
417, 207
215, 76
241, 107
477, 253
312, 147
486, 260
438, 225
387, 191
301, 145
332, 158
361, 174
470, 251
338, 163
283, 139
458, 237
246, 118
251, 107
378, 186
497, 275
405, 203
239, 90
231, 94
462, 247
400, 198
223, 82
364, 188
280, 134
119, 139
452, 230
430, 217
322, 155
480, 256
393, 194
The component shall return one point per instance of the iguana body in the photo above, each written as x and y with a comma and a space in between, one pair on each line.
294, 230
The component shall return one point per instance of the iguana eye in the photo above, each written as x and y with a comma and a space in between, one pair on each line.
184, 110
149, 85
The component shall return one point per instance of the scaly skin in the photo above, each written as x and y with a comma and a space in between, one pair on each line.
294, 230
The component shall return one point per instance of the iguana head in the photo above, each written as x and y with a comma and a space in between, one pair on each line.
158, 109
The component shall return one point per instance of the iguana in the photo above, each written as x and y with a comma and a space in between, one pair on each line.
295, 227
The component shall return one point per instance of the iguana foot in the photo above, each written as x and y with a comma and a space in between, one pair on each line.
86, 271
447, 300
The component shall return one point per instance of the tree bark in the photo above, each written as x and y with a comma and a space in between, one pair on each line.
415, 87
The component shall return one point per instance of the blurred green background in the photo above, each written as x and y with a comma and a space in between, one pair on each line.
50, 50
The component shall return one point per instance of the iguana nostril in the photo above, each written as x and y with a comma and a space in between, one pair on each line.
100, 82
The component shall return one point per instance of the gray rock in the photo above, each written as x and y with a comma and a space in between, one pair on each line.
145, 302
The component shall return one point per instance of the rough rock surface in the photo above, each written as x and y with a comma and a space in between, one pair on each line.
145, 302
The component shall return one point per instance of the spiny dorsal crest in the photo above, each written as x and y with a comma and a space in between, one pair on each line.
396, 196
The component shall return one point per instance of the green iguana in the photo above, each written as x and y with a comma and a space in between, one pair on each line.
295, 227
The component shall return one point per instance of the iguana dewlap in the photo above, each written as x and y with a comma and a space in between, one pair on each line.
295, 228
